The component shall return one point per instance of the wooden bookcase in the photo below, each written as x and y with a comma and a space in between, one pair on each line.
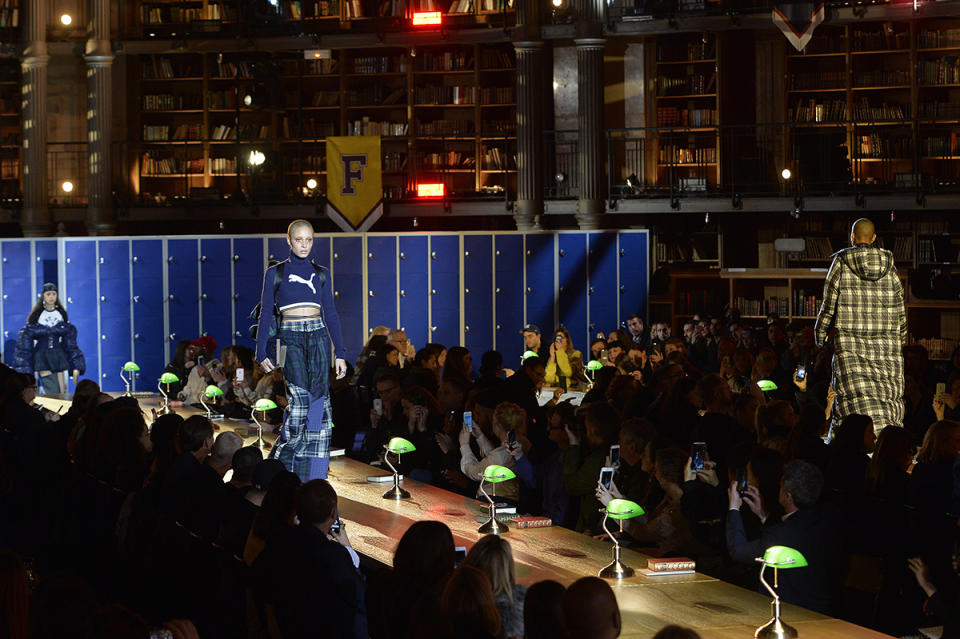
685, 154
10, 139
445, 114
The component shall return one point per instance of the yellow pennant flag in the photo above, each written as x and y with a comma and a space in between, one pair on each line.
354, 181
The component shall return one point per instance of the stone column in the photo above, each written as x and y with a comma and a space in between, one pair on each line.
529, 135
35, 219
591, 148
101, 216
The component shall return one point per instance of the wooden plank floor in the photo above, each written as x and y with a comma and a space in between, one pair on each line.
716, 609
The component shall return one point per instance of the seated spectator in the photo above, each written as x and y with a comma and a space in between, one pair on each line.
676, 417
597, 347
263, 474
764, 476
238, 512
424, 372
716, 427
853, 440
307, 575
184, 358
943, 604
386, 416
564, 367
221, 455
192, 490
676, 632
459, 366
493, 556
522, 388
887, 473
947, 405
590, 610
601, 382
806, 440
403, 600
467, 607
163, 441
277, 512
775, 423
582, 461
491, 370
805, 527
127, 448
543, 611
506, 417
918, 407
14, 597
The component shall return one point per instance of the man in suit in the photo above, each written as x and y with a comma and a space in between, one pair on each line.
805, 527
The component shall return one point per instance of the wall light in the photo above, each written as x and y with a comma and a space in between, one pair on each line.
66, 186
427, 18
430, 190
256, 157
66, 19
786, 174
557, 3
311, 184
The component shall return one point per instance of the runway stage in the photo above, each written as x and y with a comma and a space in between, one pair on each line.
716, 609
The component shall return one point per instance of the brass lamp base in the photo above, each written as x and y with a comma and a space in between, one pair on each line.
396, 493
493, 527
776, 629
617, 570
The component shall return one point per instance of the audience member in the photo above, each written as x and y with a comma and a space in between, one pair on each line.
467, 607
543, 611
590, 610
493, 556
14, 597
676, 632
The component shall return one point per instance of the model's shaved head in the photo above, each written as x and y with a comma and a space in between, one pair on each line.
296, 224
863, 231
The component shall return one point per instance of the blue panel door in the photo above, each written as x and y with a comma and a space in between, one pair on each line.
381, 281
445, 289
46, 262
17, 295
115, 337
149, 338
80, 273
414, 294
633, 274
215, 301
248, 270
539, 262
183, 287
321, 250
478, 294
602, 262
572, 300
348, 291
277, 249
508, 270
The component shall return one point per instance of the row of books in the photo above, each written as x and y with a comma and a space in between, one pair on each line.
818, 248
880, 40
497, 59
864, 111
316, 9
674, 155
936, 249
226, 69
322, 98
170, 102
813, 111
9, 169
446, 95
445, 61
940, 146
152, 165
817, 80
222, 166
164, 68
10, 139
394, 161
806, 305
939, 110
942, 71
379, 64
903, 247
309, 129
685, 302
368, 127
937, 347
9, 14
448, 160
461, 6
9, 105
876, 146
695, 84
453, 128
754, 307
245, 132
675, 116
376, 94
497, 95
156, 133
703, 48
881, 78
495, 159
309, 163
497, 128
153, 14
934, 39
325, 66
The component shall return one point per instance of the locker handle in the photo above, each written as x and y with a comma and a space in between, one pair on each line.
590, 291
622, 252
466, 291
103, 298
6, 334
336, 293
69, 299
270, 257
370, 255
433, 329
529, 252
562, 253
371, 293
236, 258
336, 256
498, 327
433, 255
5, 297
236, 297
136, 259
498, 290
528, 290
173, 337
170, 260
101, 260
203, 296
5, 260
136, 336
466, 329
622, 289
403, 255
170, 296
403, 293
466, 253
237, 334
136, 298
104, 375
203, 258
433, 291
498, 253
68, 260
103, 338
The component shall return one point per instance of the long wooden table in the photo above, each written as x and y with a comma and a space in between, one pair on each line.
716, 609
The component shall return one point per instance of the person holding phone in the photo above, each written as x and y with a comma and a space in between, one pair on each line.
298, 312
565, 362
507, 417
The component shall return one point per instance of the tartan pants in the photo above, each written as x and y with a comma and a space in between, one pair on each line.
304, 442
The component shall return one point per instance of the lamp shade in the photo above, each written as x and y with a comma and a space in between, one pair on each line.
212, 391
399, 445
496, 474
263, 404
594, 365
766, 385
623, 509
131, 367
169, 378
527, 354
783, 557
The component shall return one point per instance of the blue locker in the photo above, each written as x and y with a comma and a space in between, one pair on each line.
321, 250
508, 270
414, 296
602, 283
148, 308
445, 289
183, 291
114, 273
572, 298
80, 286
348, 291
46, 262
215, 301
248, 270
633, 274
539, 263
381, 281
478, 294
17, 296
277, 249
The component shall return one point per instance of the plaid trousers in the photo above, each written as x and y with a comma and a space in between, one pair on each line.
304, 442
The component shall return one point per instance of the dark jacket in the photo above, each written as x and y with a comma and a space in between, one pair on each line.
62, 336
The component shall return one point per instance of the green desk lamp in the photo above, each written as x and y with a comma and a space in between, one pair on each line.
494, 474
212, 392
263, 405
618, 509
166, 379
129, 367
592, 367
766, 385
778, 557
397, 446
528, 354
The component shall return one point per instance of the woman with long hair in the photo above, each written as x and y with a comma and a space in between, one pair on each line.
467, 607
47, 344
459, 365
565, 365
493, 556
14, 597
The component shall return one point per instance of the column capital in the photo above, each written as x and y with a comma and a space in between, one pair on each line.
590, 43
34, 61
100, 61
528, 45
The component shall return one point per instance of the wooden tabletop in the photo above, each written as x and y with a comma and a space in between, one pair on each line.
716, 609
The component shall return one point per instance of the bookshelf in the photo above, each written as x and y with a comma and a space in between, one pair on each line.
10, 139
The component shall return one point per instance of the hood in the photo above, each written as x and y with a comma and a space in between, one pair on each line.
867, 262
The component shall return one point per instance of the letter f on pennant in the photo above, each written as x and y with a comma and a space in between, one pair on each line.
352, 173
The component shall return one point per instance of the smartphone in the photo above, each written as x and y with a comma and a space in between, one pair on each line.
240, 374
511, 437
199, 360
606, 476
941, 389
741, 480
615, 455
698, 454
335, 528
468, 420
378, 406
459, 553
801, 373
604, 355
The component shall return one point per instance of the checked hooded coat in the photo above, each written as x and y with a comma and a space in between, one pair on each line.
863, 302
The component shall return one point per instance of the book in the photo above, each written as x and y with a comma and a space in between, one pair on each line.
664, 573
671, 564
531, 521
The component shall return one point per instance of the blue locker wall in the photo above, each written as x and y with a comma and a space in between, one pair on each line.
414, 293
508, 271
445, 289
572, 292
478, 294
116, 289
381, 282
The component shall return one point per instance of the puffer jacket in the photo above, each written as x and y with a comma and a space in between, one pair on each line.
33, 337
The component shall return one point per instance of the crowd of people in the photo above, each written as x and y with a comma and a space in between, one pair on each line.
162, 521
